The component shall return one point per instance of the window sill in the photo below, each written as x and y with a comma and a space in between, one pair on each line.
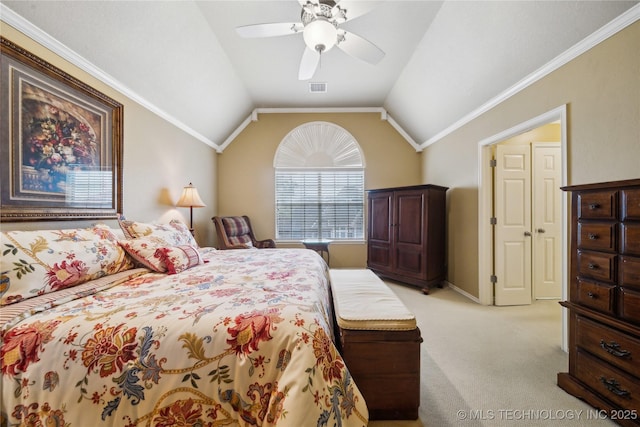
333, 242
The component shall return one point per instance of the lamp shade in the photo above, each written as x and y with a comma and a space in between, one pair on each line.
190, 198
320, 35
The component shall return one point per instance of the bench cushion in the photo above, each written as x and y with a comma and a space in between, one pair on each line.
362, 301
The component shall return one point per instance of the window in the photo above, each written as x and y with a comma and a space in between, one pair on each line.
324, 204
319, 184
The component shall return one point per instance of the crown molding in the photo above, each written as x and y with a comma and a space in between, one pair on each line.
606, 31
30, 30
253, 117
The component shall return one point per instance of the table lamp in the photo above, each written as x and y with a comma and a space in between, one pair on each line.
190, 199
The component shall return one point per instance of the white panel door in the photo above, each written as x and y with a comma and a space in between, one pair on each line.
547, 221
513, 225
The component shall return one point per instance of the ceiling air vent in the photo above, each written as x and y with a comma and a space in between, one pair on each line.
317, 87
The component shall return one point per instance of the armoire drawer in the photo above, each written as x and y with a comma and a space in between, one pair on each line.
598, 236
598, 205
630, 272
594, 295
608, 381
629, 305
609, 344
597, 265
631, 204
630, 239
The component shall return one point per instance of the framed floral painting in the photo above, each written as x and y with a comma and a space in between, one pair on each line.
60, 143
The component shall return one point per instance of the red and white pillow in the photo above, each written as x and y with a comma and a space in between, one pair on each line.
156, 254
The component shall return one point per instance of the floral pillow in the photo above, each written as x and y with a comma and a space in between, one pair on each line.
154, 253
179, 258
42, 261
174, 233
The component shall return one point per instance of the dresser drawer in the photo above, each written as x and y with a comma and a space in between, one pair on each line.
598, 205
599, 237
631, 204
617, 386
630, 271
616, 347
596, 296
630, 239
629, 305
597, 265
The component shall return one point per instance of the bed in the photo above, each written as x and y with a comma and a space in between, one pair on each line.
145, 328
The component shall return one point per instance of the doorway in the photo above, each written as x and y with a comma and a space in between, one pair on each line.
486, 260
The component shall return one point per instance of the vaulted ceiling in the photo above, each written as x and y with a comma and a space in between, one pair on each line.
184, 59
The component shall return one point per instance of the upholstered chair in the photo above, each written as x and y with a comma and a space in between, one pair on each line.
235, 232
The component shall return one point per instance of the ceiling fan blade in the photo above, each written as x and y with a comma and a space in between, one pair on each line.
308, 64
269, 30
354, 8
361, 48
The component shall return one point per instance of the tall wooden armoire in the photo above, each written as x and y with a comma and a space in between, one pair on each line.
406, 234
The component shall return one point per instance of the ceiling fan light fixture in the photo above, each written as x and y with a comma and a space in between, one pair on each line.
320, 35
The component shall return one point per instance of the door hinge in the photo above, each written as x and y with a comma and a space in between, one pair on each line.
493, 220
494, 278
493, 163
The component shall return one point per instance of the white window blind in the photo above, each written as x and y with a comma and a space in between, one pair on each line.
319, 203
89, 188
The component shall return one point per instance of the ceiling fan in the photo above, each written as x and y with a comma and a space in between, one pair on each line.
320, 28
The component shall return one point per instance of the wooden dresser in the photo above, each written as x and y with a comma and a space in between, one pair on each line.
406, 234
604, 299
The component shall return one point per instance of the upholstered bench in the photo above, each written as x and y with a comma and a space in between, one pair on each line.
379, 341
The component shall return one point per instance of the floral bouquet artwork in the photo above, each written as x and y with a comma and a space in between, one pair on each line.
57, 138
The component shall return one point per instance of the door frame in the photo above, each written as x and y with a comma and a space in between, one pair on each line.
485, 204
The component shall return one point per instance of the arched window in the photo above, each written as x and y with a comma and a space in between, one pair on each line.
319, 184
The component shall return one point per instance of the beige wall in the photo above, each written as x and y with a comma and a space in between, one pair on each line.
159, 159
547, 133
246, 173
601, 89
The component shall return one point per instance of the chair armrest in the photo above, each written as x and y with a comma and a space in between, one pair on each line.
267, 243
230, 246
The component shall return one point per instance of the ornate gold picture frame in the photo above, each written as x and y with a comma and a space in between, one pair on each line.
60, 143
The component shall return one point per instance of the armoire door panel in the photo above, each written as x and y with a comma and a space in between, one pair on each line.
379, 256
409, 218
380, 218
409, 262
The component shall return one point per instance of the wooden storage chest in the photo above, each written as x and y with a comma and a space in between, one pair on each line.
379, 342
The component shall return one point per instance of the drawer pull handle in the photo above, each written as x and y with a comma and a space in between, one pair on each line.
614, 348
592, 266
594, 206
592, 295
614, 387
592, 236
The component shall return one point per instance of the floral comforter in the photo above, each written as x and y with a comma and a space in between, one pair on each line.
244, 339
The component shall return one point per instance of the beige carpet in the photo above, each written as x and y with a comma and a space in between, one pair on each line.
490, 366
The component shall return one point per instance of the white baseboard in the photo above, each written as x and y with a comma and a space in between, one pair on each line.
461, 292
